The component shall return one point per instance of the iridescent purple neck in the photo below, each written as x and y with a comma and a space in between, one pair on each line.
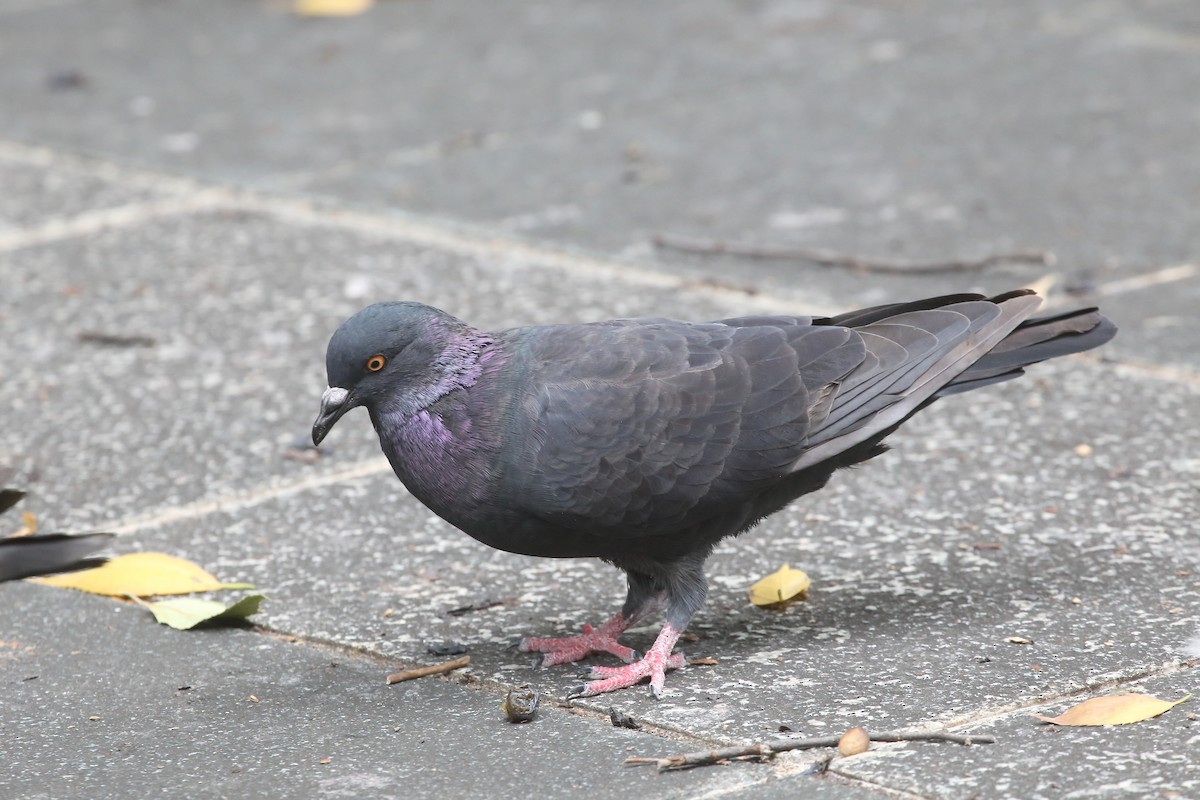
457, 367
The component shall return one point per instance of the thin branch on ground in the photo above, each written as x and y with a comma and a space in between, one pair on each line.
435, 669
829, 258
766, 750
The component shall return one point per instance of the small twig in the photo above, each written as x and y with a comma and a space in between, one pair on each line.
829, 258
768, 749
435, 669
116, 339
482, 605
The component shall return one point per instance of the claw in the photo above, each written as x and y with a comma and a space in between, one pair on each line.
654, 665
573, 648
515, 643
536, 661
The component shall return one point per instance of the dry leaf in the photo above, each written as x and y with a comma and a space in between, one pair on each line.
854, 741
779, 586
142, 575
1120, 709
183, 613
331, 8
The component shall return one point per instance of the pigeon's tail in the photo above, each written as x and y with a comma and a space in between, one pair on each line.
46, 554
1032, 341
918, 352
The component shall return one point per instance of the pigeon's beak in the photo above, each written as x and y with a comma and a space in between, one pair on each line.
334, 402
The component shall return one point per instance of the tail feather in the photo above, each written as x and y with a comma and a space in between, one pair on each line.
1034, 340
46, 554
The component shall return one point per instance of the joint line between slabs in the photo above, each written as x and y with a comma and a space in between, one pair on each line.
478, 242
100, 168
992, 716
875, 787
446, 235
1158, 277
240, 500
477, 683
117, 217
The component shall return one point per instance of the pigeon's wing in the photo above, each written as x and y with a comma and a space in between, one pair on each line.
648, 426
46, 554
911, 356
9, 498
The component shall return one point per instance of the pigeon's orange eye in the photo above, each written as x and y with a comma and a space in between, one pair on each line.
375, 363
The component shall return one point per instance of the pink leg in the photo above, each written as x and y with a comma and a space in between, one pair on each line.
592, 640
653, 665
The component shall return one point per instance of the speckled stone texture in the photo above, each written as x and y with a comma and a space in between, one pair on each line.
1021, 548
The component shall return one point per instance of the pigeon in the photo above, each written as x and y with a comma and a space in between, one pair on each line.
45, 554
645, 442
49, 554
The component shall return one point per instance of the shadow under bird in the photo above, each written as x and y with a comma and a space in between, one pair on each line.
644, 442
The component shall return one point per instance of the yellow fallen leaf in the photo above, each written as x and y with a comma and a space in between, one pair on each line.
1119, 709
779, 586
331, 8
183, 613
142, 575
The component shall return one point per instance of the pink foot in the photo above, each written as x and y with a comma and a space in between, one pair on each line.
654, 666
573, 648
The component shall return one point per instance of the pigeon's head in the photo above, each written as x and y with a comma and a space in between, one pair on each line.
387, 353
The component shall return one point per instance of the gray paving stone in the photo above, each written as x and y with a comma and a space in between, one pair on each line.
383, 102
1157, 324
1155, 758
100, 702
34, 194
881, 130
